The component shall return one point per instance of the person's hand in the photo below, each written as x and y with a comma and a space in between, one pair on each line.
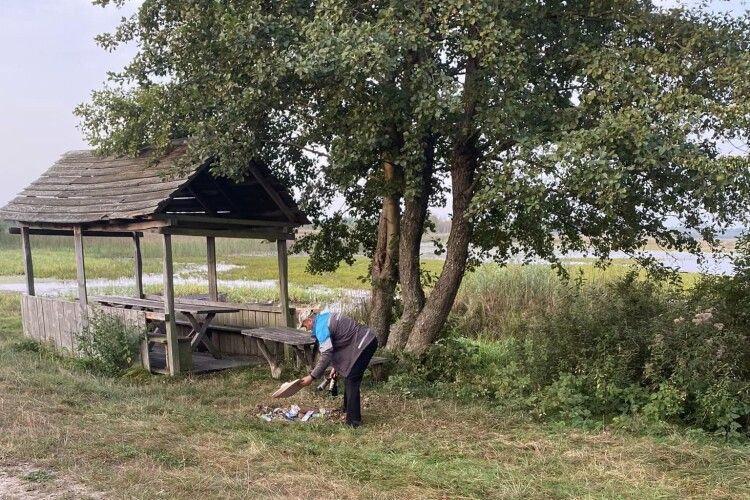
306, 380
333, 373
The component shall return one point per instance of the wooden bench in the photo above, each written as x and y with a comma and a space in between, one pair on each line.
304, 349
222, 328
225, 330
270, 342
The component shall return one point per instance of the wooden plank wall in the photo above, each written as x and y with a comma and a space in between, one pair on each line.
51, 320
57, 321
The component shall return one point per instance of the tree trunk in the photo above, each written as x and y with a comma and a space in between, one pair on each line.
385, 260
464, 162
435, 312
412, 228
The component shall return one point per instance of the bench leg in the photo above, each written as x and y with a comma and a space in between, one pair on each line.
299, 357
198, 335
272, 359
305, 356
145, 348
378, 372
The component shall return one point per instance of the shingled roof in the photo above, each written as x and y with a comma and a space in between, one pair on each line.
83, 188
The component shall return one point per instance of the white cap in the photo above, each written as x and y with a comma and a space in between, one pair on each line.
305, 313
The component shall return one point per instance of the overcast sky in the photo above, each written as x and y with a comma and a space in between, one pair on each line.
49, 63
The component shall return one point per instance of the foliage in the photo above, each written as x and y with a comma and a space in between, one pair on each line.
108, 345
569, 124
630, 348
27, 345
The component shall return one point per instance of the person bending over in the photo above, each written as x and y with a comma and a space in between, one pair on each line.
348, 346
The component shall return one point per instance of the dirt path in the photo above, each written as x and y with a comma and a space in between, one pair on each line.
26, 482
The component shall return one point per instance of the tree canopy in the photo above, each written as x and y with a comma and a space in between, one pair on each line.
550, 126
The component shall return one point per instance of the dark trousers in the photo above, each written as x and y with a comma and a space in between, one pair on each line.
353, 382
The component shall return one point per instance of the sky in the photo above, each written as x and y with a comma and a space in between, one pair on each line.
49, 63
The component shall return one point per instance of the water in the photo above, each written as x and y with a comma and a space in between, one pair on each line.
719, 264
682, 261
344, 299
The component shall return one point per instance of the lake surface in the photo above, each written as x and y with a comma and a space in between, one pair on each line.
682, 261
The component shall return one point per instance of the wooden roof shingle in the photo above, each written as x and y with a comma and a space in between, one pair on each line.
83, 188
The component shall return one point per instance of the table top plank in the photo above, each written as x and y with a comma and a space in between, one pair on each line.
288, 336
157, 305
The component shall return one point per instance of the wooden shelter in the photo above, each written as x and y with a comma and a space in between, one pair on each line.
87, 195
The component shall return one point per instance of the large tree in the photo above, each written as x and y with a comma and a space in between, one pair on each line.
549, 125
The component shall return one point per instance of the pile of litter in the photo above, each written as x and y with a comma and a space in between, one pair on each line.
297, 414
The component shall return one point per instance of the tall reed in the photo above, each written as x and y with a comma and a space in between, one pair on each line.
496, 301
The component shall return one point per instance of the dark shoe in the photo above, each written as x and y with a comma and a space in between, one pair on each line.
354, 424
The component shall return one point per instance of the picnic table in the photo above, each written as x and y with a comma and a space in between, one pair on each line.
199, 316
277, 337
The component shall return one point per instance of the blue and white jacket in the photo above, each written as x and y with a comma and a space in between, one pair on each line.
341, 340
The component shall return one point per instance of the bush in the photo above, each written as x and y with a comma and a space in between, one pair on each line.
630, 348
108, 345
641, 347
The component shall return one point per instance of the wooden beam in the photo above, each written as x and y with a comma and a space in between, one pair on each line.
28, 264
123, 228
282, 253
145, 225
200, 201
69, 232
81, 270
173, 348
258, 234
138, 266
213, 288
271, 192
177, 220
223, 193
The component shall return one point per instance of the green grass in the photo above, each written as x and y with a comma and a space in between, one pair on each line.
265, 268
112, 258
200, 437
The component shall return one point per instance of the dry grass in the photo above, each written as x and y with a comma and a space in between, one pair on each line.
198, 437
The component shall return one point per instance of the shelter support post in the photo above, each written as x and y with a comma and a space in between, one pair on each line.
138, 266
173, 349
283, 256
81, 270
28, 264
213, 288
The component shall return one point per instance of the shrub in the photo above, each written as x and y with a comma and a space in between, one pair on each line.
108, 345
642, 347
630, 348
27, 345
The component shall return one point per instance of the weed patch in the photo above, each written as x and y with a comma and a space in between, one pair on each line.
108, 345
